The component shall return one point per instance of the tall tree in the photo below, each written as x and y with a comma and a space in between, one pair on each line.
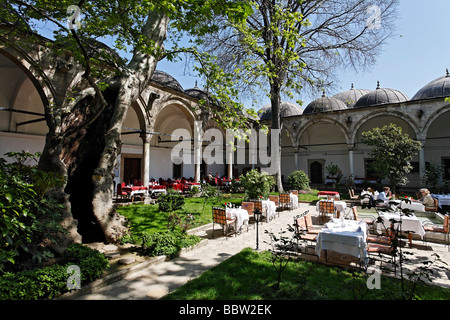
287, 46
393, 151
84, 136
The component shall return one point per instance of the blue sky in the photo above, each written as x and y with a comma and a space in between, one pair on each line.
418, 54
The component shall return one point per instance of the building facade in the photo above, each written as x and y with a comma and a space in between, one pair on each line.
328, 130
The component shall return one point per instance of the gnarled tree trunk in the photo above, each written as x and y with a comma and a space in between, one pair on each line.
86, 155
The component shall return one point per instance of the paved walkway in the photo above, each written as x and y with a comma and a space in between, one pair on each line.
158, 279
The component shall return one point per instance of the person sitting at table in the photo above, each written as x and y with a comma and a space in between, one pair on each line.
426, 199
385, 195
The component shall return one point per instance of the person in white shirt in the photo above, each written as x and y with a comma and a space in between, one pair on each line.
385, 195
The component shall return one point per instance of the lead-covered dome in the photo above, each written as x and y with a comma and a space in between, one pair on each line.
166, 80
381, 96
287, 109
324, 104
438, 88
350, 97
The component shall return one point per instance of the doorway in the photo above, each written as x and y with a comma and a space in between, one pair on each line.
316, 171
131, 170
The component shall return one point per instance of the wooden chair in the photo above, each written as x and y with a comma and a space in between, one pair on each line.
301, 231
220, 217
435, 208
310, 226
275, 199
257, 204
285, 200
326, 207
381, 251
440, 229
249, 206
352, 195
370, 221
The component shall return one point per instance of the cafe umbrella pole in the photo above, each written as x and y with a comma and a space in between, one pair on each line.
257, 218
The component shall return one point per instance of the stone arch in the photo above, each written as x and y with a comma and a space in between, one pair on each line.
34, 72
433, 117
326, 120
412, 123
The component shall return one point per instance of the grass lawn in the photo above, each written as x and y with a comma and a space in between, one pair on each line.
148, 218
250, 276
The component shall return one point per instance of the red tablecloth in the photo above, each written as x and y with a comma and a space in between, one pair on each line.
328, 193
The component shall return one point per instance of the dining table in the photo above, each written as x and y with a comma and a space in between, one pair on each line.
409, 223
411, 205
326, 194
135, 190
443, 199
344, 236
293, 200
240, 214
270, 208
339, 206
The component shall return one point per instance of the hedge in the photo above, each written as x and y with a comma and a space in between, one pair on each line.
51, 281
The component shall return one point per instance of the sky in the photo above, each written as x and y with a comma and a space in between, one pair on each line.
417, 54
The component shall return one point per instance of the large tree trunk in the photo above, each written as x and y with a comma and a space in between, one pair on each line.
86, 156
276, 124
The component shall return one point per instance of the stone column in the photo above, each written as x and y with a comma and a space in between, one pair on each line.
146, 159
350, 160
422, 163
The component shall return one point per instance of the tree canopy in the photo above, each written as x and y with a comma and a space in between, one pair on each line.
392, 151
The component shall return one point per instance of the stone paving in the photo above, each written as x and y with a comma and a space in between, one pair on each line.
159, 278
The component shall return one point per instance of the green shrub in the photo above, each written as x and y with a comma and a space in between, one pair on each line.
298, 180
256, 184
28, 217
48, 282
170, 201
165, 243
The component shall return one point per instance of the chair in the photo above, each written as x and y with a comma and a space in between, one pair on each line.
220, 217
326, 207
352, 195
382, 250
120, 192
285, 200
301, 230
309, 225
370, 221
294, 192
440, 229
275, 199
435, 208
249, 206
257, 204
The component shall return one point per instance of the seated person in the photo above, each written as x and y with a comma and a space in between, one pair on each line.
385, 195
426, 199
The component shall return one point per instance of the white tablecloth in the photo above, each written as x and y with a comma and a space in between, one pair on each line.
443, 199
294, 201
270, 208
409, 223
338, 205
414, 206
343, 236
240, 214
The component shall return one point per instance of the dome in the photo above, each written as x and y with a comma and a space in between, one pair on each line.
350, 97
196, 93
380, 96
325, 104
166, 80
438, 88
287, 109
